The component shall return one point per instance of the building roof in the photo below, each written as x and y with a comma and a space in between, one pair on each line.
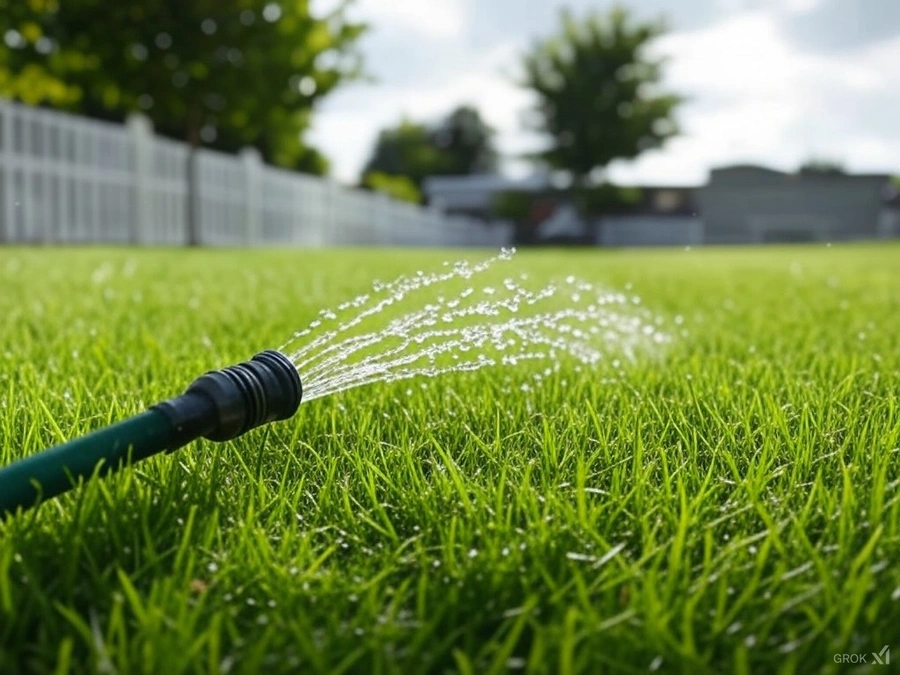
746, 173
476, 193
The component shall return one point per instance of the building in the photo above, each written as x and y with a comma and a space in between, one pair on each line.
753, 204
738, 205
474, 195
661, 215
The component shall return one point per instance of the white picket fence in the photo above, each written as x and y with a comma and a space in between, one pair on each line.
67, 179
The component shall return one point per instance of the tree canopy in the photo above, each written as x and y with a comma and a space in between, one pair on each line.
396, 187
599, 94
465, 142
224, 73
822, 166
460, 143
404, 150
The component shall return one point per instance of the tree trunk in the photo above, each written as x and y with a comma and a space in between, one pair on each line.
590, 226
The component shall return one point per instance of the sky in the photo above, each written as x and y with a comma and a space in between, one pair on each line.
772, 82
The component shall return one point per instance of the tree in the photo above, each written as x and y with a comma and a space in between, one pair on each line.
404, 150
598, 92
460, 143
224, 73
466, 143
822, 167
400, 188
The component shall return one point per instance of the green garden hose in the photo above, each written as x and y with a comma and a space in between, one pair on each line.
219, 406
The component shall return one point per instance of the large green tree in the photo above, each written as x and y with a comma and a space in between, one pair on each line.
599, 94
223, 73
460, 143
405, 150
465, 142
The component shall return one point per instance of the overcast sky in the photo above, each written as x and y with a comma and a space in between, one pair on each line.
769, 81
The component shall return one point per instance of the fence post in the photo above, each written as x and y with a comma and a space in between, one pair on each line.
141, 131
252, 162
380, 217
28, 168
192, 216
7, 162
296, 214
331, 219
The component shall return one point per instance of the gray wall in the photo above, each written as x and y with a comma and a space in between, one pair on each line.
755, 205
650, 231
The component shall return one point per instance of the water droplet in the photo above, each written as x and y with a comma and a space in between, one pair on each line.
508, 325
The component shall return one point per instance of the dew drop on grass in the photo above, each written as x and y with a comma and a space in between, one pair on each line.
789, 647
580, 557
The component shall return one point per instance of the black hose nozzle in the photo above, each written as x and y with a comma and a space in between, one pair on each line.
227, 403
220, 405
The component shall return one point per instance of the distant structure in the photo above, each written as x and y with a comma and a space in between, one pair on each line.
662, 216
753, 204
475, 194
739, 204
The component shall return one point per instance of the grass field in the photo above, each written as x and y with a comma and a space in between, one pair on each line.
731, 506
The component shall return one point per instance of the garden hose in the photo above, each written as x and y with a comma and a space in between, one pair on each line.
219, 406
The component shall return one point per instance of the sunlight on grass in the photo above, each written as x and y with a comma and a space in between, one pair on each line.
727, 505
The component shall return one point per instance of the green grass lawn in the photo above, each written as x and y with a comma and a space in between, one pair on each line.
731, 505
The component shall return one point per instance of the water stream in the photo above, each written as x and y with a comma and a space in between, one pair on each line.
465, 317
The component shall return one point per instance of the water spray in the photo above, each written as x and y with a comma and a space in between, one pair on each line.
219, 406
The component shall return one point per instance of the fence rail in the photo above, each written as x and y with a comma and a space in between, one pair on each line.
67, 179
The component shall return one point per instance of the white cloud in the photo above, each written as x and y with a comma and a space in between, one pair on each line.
801, 6
431, 18
754, 97
347, 131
